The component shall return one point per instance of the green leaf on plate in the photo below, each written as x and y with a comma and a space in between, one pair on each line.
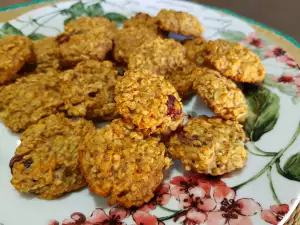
68, 20
77, 10
263, 112
116, 17
292, 167
94, 10
36, 36
7, 28
236, 36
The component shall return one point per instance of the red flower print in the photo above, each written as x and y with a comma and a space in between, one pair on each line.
253, 40
289, 79
76, 218
231, 211
184, 183
286, 79
196, 205
275, 214
281, 56
115, 217
53, 222
162, 197
143, 218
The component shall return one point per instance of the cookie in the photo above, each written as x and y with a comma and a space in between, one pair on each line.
46, 162
47, 54
88, 90
15, 51
194, 50
210, 146
78, 46
235, 61
179, 23
120, 162
160, 56
149, 102
221, 94
37, 96
85, 23
129, 39
142, 20
182, 79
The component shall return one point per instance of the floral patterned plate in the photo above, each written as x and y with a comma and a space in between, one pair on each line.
265, 192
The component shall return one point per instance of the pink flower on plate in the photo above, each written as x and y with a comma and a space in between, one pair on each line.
253, 40
76, 218
115, 217
144, 218
53, 222
162, 197
275, 214
230, 210
196, 205
281, 56
184, 183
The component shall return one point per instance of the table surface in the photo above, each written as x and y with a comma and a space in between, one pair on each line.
282, 15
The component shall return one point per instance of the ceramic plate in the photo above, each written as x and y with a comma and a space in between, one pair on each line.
265, 192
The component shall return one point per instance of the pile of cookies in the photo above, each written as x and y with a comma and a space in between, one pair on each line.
56, 88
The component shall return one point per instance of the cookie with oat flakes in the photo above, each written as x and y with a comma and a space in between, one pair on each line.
46, 163
210, 145
149, 102
221, 94
142, 20
179, 23
159, 56
15, 51
90, 45
47, 54
120, 162
194, 50
234, 61
88, 90
128, 39
85, 23
37, 96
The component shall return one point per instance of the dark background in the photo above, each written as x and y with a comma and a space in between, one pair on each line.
283, 15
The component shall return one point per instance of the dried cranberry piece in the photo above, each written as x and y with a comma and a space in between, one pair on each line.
15, 159
63, 38
172, 111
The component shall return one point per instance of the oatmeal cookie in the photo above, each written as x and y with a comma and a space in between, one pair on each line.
179, 22
210, 145
149, 102
85, 23
46, 162
221, 94
235, 61
142, 20
15, 51
160, 56
47, 54
79, 46
120, 162
37, 96
182, 79
129, 39
88, 90
194, 50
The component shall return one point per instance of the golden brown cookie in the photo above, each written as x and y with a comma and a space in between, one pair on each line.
194, 50
47, 161
129, 39
142, 20
15, 51
29, 99
88, 90
235, 61
179, 22
221, 94
47, 54
210, 145
120, 162
85, 23
160, 56
79, 46
149, 102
